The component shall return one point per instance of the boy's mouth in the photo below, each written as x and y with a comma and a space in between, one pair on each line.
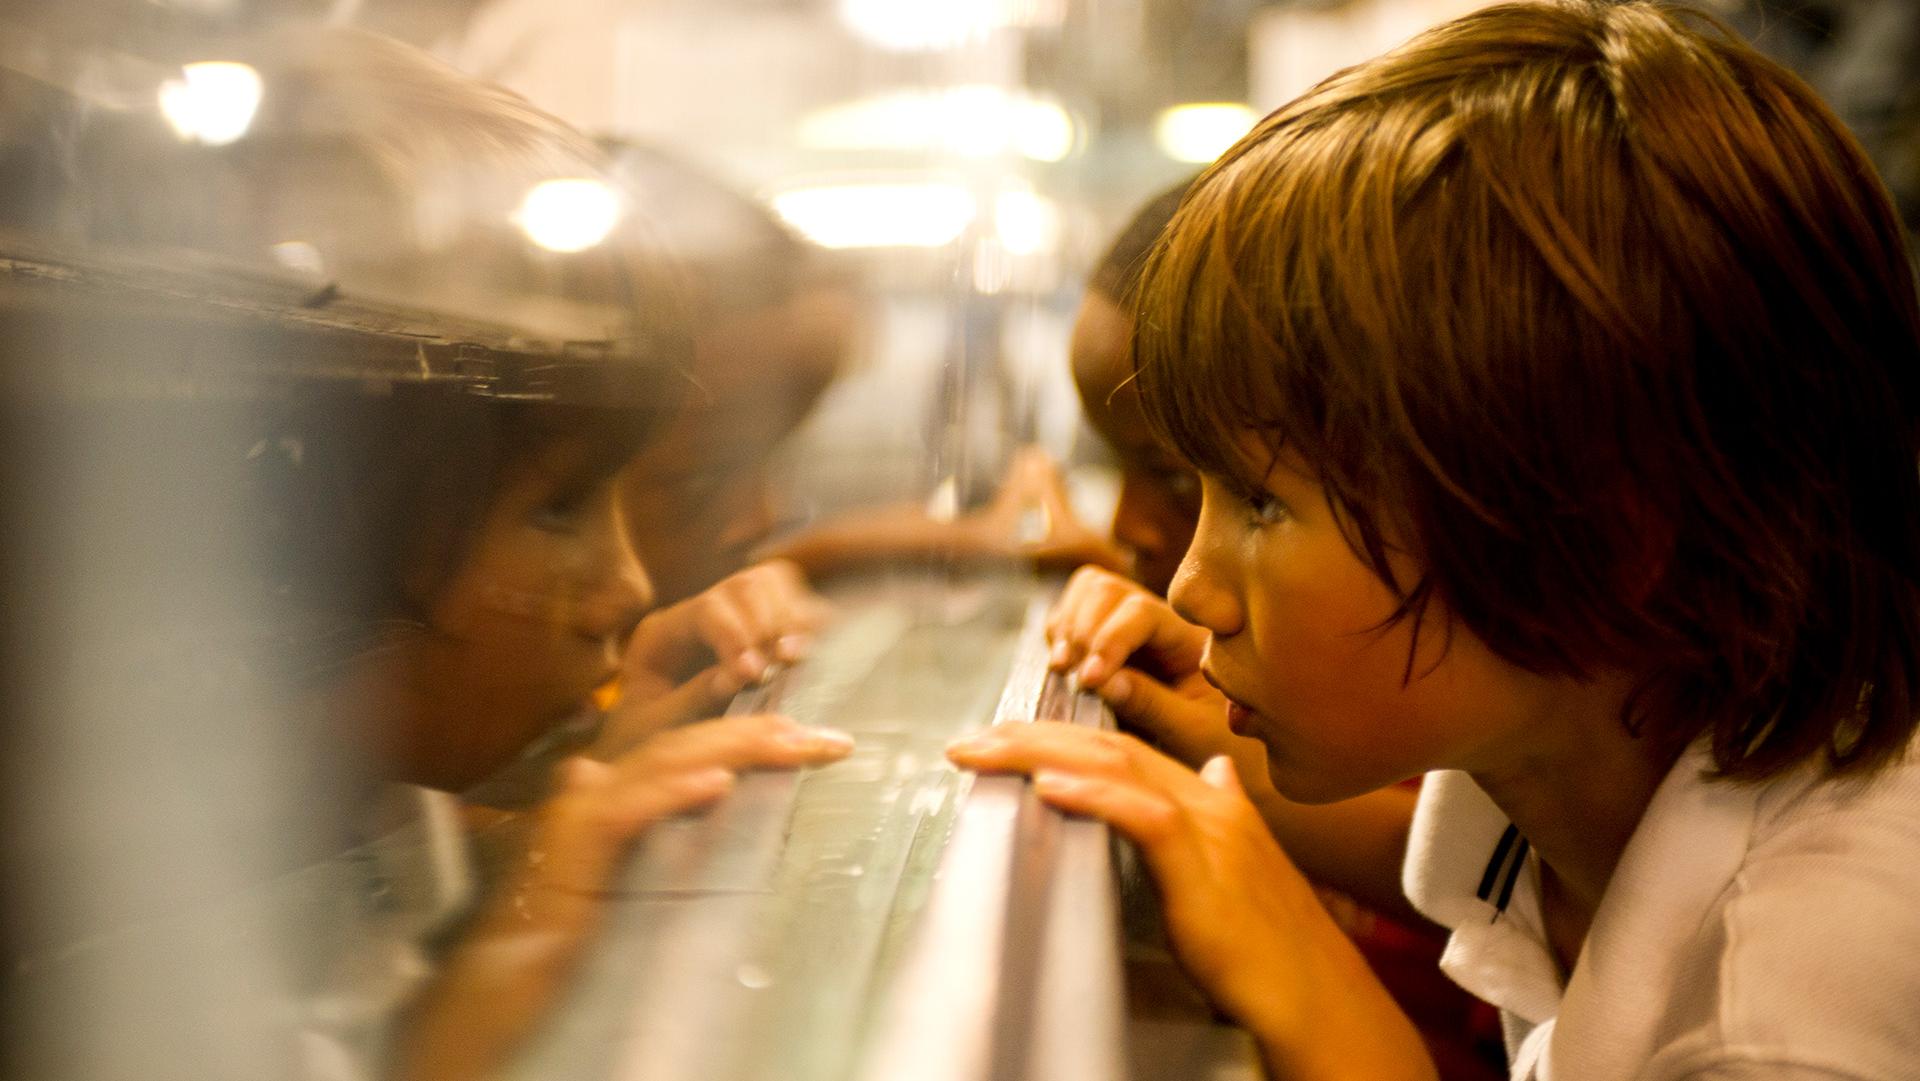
1240, 716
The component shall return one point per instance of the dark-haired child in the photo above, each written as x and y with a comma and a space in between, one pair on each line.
1552, 383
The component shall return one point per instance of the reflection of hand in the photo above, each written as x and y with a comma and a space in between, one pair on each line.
736, 629
504, 974
1032, 517
745, 622
1242, 920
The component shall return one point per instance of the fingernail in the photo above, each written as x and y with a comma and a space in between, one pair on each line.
1116, 688
710, 779
977, 743
823, 739
1051, 783
790, 647
1057, 656
753, 664
1092, 671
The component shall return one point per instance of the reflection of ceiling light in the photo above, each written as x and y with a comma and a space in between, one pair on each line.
1202, 131
1026, 223
927, 215
971, 121
568, 215
300, 256
926, 25
212, 102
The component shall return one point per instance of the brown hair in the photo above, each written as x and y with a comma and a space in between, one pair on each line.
1605, 317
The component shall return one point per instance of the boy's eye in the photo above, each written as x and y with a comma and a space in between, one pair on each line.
563, 512
1263, 509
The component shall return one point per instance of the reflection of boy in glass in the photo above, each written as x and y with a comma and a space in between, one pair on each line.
449, 571
772, 330
1159, 494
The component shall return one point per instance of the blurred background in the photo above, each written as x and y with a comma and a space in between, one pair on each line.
283, 317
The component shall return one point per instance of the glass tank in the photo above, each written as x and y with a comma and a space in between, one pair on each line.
459, 456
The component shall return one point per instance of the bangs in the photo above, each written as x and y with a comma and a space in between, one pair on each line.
1604, 321
1254, 315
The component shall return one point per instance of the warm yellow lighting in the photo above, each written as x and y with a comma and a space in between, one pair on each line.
1202, 131
927, 215
927, 25
1043, 131
971, 121
212, 102
568, 215
300, 256
1026, 223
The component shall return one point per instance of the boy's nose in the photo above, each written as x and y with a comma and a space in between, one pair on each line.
1200, 594
613, 611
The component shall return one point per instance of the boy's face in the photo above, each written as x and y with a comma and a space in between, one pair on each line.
534, 618
1159, 493
1297, 641
699, 499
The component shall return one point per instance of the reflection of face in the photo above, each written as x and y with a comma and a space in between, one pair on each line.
533, 619
1294, 616
1159, 494
697, 501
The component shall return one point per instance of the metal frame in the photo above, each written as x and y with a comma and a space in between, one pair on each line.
1016, 971
195, 326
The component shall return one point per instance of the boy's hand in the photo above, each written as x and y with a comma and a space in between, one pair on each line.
689, 659
500, 979
598, 808
1102, 621
745, 622
1126, 645
1032, 518
1242, 920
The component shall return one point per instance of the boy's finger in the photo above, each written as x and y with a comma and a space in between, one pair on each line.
1148, 818
584, 830
1221, 773
1085, 584
1087, 618
733, 642
1027, 747
1132, 625
758, 605
1189, 728
702, 696
748, 742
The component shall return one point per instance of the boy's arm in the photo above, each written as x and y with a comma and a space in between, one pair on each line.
1242, 920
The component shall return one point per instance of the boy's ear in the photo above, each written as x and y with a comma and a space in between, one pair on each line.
1642, 542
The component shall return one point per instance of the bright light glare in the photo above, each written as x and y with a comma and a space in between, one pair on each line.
212, 102
1026, 223
1202, 131
300, 256
878, 215
971, 121
568, 215
927, 25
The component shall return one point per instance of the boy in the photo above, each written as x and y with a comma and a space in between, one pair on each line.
1551, 382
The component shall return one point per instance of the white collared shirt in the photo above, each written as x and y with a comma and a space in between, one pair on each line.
1749, 931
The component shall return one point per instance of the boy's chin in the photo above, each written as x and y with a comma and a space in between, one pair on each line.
1315, 785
